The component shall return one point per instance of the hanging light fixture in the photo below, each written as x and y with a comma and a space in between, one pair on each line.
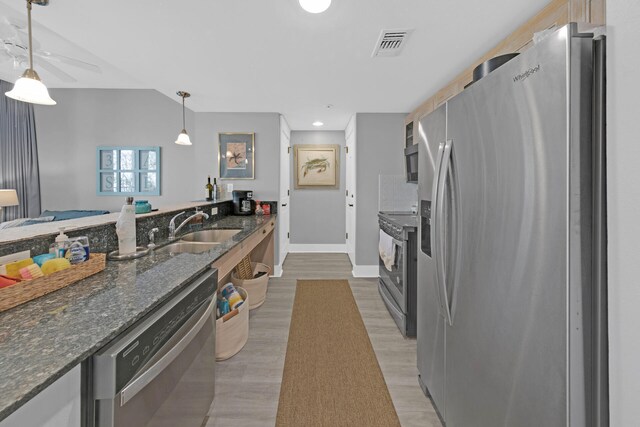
29, 88
183, 138
315, 6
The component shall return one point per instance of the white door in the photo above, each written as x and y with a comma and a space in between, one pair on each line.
350, 197
285, 179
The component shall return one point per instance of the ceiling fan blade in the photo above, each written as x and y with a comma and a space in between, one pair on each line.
57, 72
66, 60
7, 29
4, 55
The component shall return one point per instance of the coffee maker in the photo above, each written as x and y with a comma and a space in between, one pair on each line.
243, 203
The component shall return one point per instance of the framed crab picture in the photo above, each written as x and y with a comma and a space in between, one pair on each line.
316, 166
236, 157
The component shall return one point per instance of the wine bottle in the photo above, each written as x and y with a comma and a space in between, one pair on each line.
209, 188
216, 190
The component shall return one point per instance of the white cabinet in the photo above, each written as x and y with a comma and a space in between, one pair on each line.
56, 406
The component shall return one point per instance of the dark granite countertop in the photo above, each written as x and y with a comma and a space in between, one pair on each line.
402, 219
42, 340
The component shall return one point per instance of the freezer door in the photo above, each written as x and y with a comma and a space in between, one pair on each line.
432, 130
507, 349
430, 323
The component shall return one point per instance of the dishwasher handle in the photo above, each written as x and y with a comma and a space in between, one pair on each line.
148, 375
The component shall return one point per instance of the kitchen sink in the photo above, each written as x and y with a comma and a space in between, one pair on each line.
186, 247
210, 235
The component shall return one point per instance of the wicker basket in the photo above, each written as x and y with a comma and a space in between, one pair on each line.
28, 290
232, 335
256, 288
244, 269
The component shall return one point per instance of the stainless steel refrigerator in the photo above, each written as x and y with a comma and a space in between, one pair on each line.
511, 319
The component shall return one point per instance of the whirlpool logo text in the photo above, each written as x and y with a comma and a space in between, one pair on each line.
523, 76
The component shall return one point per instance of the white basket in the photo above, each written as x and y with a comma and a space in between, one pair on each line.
256, 288
232, 335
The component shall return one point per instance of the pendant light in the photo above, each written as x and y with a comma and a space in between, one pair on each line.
315, 6
183, 138
29, 88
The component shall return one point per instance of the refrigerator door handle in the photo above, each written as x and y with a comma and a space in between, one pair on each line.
435, 223
456, 230
441, 263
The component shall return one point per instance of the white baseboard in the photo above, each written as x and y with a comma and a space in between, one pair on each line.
277, 270
365, 271
311, 248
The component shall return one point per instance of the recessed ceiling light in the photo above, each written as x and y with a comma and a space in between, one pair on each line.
318, 123
315, 6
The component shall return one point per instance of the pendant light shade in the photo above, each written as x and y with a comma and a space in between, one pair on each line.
29, 88
315, 6
183, 137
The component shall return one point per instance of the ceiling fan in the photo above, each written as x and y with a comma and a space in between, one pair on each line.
14, 49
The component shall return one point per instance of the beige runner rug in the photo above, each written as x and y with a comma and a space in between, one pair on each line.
331, 374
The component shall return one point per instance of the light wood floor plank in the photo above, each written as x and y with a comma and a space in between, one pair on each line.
248, 384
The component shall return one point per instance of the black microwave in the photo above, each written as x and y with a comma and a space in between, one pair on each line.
411, 162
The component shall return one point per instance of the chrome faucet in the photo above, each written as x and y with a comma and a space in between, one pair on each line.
173, 230
152, 238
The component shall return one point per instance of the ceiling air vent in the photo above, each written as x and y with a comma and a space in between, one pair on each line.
390, 42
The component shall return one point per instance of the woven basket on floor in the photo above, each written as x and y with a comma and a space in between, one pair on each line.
256, 288
28, 290
233, 334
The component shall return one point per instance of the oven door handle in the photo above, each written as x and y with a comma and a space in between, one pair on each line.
398, 242
393, 239
148, 375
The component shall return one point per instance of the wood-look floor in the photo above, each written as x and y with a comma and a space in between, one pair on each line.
248, 384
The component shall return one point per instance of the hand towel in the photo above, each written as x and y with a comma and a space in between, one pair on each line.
387, 250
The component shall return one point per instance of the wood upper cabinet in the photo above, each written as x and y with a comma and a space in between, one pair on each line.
589, 11
556, 14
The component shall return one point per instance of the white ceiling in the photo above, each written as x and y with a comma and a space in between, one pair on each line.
271, 56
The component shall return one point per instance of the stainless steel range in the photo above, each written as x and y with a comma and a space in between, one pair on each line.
398, 276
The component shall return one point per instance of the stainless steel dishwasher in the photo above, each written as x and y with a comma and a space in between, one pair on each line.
161, 371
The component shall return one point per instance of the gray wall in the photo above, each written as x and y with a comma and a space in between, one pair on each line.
379, 150
267, 149
84, 119
623, 175
318, 216
266, 126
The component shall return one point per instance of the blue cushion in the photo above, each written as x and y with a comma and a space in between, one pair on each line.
72, 214
20, 222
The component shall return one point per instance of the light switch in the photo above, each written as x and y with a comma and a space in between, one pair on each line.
214, 211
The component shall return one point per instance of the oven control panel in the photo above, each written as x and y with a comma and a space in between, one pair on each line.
390, 228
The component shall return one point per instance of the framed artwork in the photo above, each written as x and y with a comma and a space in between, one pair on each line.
236, 156
131, 171
316, 166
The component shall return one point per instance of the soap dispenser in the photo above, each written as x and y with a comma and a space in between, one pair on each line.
126, 228
60, 245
